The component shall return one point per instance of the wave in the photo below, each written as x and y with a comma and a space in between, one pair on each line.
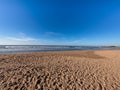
39, 48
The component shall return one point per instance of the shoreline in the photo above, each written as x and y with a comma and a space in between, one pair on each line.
24, 52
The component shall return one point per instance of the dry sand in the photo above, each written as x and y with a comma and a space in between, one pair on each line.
70, 70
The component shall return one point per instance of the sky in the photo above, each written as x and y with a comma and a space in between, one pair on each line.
60, 22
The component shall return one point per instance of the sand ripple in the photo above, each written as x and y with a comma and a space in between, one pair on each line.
74, 70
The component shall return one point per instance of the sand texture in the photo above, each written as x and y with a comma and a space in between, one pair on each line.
68, 70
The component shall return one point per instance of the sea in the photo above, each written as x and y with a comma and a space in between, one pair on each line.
6, 49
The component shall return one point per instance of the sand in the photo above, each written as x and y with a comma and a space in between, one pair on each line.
68, 70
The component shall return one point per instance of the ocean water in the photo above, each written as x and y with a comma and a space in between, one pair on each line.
41, 48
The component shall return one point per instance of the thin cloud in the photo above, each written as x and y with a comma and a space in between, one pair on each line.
22, 34
21, 39
18, 41
53, 33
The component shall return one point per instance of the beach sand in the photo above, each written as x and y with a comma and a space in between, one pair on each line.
68, 70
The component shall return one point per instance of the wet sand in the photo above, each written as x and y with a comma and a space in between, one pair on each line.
68, 70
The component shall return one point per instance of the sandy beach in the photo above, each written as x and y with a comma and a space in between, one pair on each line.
66, 70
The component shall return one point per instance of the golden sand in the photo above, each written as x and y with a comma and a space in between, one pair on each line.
70, 70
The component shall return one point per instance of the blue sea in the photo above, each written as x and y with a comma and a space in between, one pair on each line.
43, 48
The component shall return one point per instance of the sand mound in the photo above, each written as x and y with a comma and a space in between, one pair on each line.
73, 70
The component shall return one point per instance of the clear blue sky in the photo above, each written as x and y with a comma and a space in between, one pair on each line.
66, 22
